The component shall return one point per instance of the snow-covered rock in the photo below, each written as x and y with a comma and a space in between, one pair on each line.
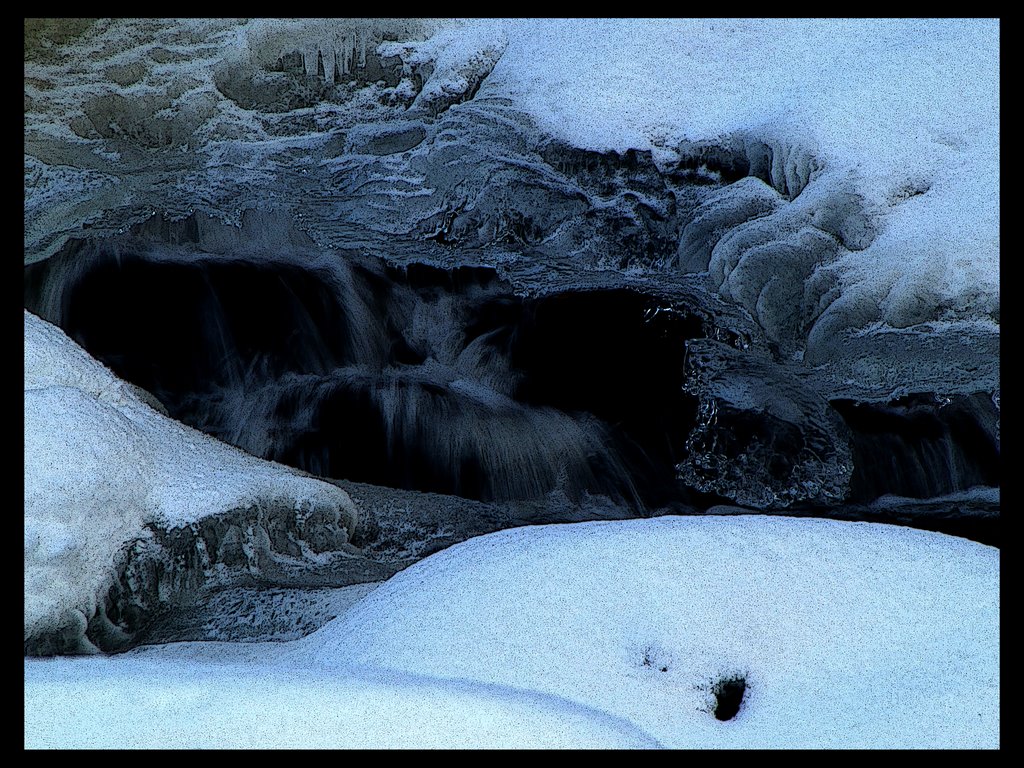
845, 634
615, 634
101, 465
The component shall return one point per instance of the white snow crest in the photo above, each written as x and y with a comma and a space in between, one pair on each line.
159, 701
909, 108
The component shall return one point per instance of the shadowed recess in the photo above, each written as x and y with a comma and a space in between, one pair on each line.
922, 446
445, 380
414, 377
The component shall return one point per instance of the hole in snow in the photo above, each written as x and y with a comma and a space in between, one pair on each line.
728, 692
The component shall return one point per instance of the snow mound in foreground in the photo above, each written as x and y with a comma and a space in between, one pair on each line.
843, 634
618, 634
96, 703
101, 464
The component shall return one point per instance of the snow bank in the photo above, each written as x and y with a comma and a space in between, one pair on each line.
132, 703
846, 634
616, 634
902, 113
870, 91
100, 465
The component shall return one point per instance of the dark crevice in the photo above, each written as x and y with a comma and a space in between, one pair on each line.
443, 379
416, 377
921, 446
182, 328
603, 353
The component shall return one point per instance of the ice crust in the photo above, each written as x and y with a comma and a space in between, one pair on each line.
881, 133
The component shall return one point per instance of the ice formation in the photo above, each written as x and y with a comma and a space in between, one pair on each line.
880, 133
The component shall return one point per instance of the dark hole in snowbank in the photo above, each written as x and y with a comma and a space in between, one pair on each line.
920, 446
324, 370
728, 693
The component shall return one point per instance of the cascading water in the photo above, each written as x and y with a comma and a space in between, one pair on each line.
415, 378
372, 250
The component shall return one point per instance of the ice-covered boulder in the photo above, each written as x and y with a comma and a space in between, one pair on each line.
103, 470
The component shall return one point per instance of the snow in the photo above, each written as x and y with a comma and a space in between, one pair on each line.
83, 468
903, 111
866, 90
100, 465
590, 634
139, 703
901, 116
458, 55
849, 634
